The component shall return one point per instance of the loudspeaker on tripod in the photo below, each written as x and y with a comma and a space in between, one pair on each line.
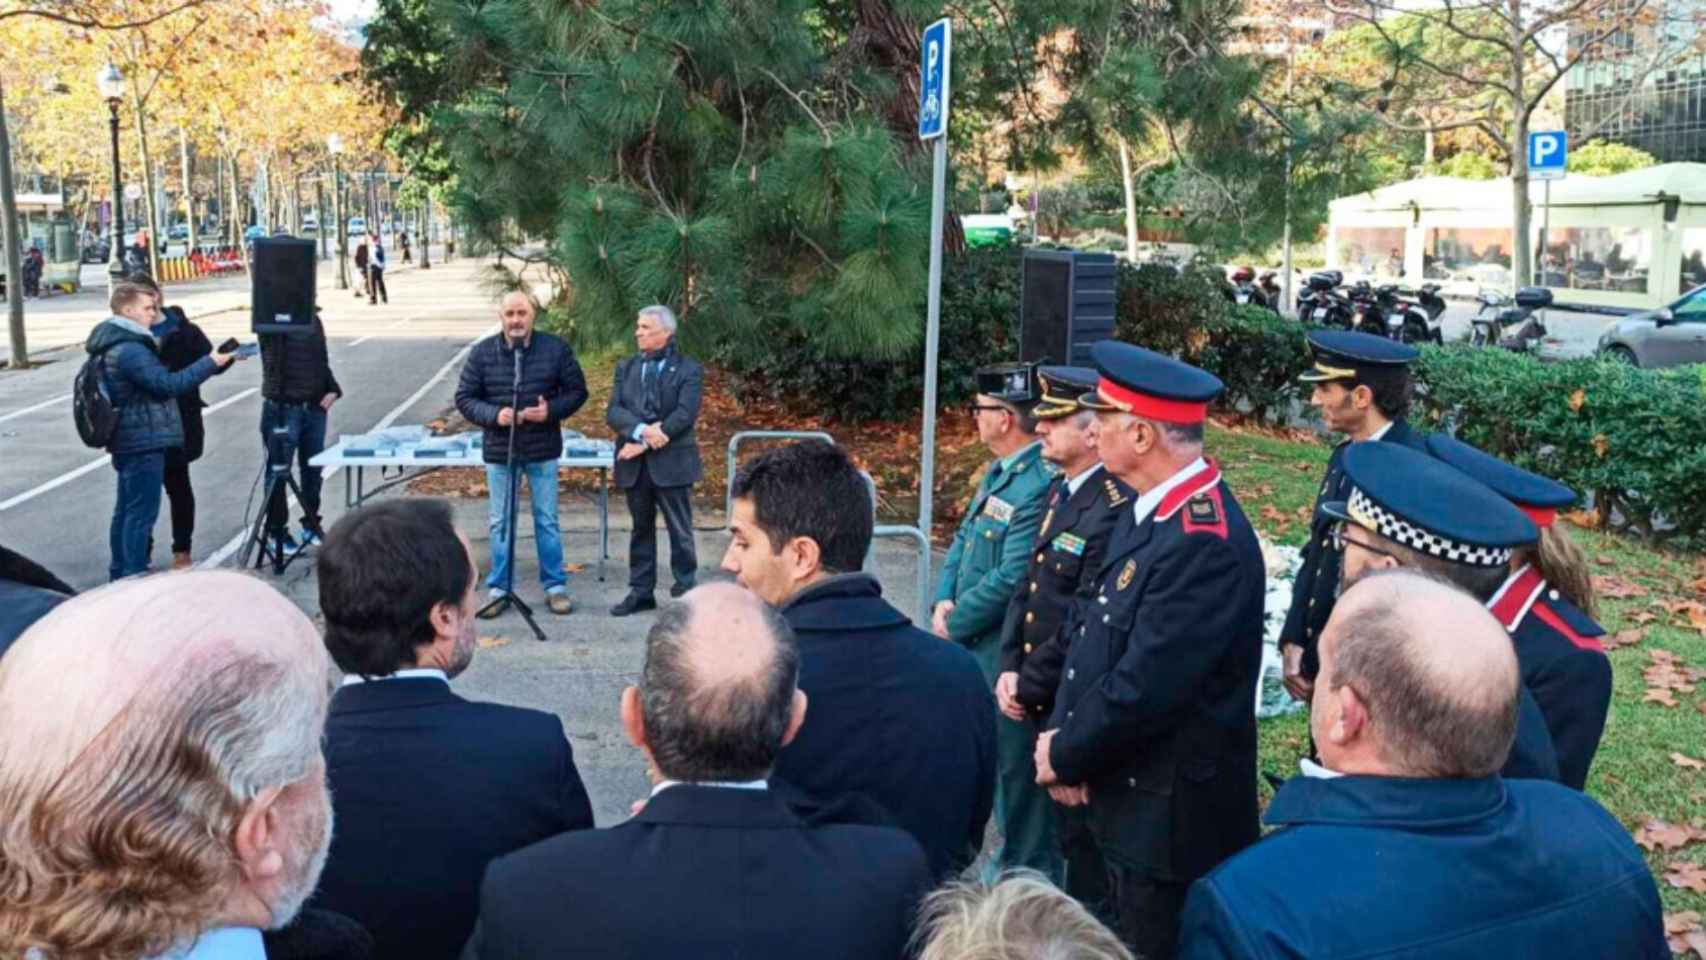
282, 287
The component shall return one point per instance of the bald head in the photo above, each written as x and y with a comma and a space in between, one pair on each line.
717, 694
142, 726
1417, 679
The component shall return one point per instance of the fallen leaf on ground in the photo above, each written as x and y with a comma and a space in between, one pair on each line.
1683, 933
1698, 585
1687, 762
1623, 638
574, 568
1687, 876
1304, 466
1605, 559
1656, 834
1586, 519
1617, 588
1643, 617
1661, 697
487, 643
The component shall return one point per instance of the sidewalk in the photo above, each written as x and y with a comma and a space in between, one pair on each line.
57, 322
590, 656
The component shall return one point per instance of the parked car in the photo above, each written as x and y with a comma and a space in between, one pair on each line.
179, 232
1667, 337
357, 226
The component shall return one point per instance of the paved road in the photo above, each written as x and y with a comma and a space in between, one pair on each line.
393, 361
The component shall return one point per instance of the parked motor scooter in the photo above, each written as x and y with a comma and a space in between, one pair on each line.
1514, 328
1367, 314
1418, 314
1320, 303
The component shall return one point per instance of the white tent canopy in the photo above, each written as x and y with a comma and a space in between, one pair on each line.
1633, 240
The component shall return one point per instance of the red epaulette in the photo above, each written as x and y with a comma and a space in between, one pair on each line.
1550, 617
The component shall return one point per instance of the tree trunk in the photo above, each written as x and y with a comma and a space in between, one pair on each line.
1130, 199
148, 197
1521, 257
187, 174
423, 236
236, 217
12, 237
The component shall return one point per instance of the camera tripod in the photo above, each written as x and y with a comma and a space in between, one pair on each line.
261, 542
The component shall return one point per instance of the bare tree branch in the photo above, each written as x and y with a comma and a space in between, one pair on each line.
80, 16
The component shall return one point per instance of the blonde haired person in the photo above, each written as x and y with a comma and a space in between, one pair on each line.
1547, 606
1019, 917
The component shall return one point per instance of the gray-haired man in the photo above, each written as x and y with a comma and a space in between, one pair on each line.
653, 409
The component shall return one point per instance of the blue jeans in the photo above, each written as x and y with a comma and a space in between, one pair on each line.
305, 429
140, 476
541, 479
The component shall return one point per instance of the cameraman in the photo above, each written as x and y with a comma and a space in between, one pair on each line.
297, 391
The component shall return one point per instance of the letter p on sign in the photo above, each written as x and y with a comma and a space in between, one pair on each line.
1547, 152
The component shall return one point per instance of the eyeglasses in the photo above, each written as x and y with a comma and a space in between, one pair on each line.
1339, 541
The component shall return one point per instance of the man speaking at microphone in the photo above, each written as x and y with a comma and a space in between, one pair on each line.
529, 379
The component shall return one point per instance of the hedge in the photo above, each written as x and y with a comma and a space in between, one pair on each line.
1634, 440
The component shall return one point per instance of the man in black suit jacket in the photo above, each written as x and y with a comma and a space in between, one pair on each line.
27, 593
653, 408
715, 865
427, 787
902, 726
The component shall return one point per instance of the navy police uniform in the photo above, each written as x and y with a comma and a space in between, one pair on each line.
1068, 550
1421, 503
1156, 709
1557, 644
1351, 358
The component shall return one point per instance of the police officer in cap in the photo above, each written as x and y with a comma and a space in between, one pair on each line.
1082, 505
1407, 509
1154, 728
1557, 642
1362, 389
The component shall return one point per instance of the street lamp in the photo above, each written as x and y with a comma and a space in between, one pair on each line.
110, 82
335, 146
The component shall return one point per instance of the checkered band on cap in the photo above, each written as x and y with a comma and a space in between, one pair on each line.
1397, 529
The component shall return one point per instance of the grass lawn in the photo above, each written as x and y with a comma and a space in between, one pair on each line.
1648, 767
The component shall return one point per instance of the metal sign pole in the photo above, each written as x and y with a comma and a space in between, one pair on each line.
1545, 225
934, 76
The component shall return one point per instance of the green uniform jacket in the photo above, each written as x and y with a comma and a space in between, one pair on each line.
987, 559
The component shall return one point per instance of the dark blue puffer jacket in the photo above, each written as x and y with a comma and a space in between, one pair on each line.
142, 389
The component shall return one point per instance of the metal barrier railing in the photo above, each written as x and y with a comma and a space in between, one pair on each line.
877, 529
734, 444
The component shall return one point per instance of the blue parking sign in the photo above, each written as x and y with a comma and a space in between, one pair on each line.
933, 85
1547, 151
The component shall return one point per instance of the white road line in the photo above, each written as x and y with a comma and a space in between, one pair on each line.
44, 403
391, 326
96, 464
224, 553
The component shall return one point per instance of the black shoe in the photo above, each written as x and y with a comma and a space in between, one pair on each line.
633, 603
676, 591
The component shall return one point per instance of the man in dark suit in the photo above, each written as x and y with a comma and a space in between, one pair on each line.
1361, 387
427, 787
653, 408
1082, 504
902, 726
1154, 725
715, 865
1407, 840
27, 593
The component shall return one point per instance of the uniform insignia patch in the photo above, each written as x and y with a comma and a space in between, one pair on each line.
1202, 510
998, 510
1203, 513
1070, 543
1115, 498
1126, 575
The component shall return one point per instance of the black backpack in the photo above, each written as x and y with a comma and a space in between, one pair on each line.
92, 405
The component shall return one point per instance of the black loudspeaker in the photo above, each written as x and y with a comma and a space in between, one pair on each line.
282, 294
1067, 304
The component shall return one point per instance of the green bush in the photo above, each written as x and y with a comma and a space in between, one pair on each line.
980, 317
1635, 440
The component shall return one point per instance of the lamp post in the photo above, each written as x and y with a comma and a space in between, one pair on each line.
110, 82
335, 146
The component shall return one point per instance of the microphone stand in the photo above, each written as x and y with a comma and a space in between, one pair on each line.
509, 596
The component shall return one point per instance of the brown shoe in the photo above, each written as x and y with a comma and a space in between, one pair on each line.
181, 560
559, 603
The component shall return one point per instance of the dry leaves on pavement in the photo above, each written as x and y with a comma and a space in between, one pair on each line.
487, 643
